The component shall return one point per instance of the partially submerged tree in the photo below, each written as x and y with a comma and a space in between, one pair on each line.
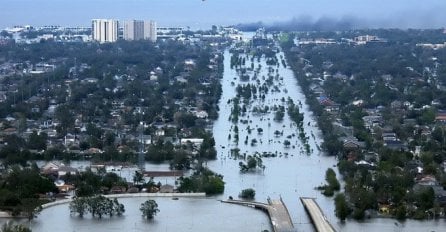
149, 209
342, 210
202, 180
98, 206
248, 194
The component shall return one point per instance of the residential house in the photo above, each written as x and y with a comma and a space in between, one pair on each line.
195, 141
58, 169
166, 188
395, 145
427, 180
441, 116
372, 121
352, 143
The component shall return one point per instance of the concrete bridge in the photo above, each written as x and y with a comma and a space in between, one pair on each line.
277, 212
318, 218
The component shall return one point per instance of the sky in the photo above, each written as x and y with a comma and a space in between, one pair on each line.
204, 13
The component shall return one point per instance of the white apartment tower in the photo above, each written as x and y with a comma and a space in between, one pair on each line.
150, 30
133, 30
105, 30
139, 29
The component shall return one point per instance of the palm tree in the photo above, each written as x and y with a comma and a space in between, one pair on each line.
138, 177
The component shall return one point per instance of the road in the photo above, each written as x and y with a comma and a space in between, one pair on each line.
277, 211
317, 216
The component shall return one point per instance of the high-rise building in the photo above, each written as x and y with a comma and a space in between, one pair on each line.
105, 30
138, 29
150, 30
133, 30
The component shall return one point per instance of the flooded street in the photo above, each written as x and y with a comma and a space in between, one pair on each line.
288, 176
292, 176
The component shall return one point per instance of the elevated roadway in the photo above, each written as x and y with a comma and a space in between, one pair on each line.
277, 212
318, 218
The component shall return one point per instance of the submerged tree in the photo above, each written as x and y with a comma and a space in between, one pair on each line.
252, 163
248, 194
342, 210
332, 183
98, 206
202, 180
149, 209
79, 206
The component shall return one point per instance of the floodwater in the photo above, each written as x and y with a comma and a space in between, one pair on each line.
184, 214
287, 176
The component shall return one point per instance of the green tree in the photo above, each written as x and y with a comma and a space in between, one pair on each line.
138, 177
37, 142
149, 209
31, 207
203, 180
252, 162
207, 148
98, 206
342, 210
332, 145
248, 193
401, 212
426, 198
214, 184
330, 177
27, 183
65, 117
427, 117
259, 130
332, 183
79, 206
181, 160
11, 227
118, 208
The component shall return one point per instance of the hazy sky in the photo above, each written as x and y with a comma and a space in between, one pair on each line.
199, 13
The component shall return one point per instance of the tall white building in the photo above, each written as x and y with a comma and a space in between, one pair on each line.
150, 30
105, 30
138, 29
133, 30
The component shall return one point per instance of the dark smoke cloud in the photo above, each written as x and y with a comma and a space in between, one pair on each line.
406, 19
307, 23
